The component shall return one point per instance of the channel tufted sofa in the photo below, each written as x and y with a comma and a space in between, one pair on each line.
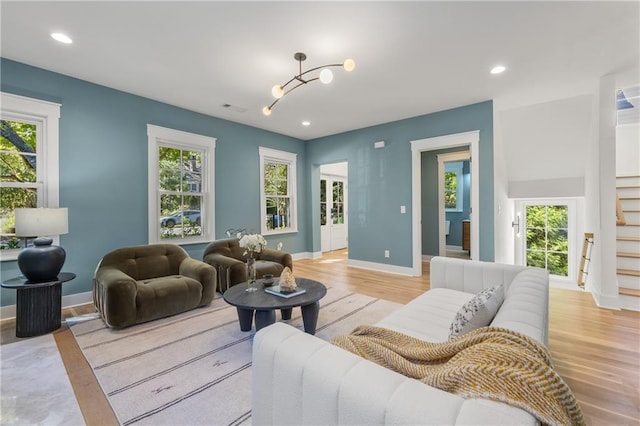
230, 262
303, 380
142, 283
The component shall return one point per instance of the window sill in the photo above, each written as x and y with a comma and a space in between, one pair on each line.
182, 242
280, 232
8, 255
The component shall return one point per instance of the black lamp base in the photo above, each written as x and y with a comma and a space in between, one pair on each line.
42, 262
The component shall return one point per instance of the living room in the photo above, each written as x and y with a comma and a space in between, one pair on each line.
103, 142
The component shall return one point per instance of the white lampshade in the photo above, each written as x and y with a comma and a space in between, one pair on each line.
277, 91
349, 65
266, 111
41, 222
326, 76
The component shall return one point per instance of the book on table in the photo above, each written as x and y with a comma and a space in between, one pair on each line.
276, 290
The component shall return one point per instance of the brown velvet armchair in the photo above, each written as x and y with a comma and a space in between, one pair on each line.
230, 262
142, 283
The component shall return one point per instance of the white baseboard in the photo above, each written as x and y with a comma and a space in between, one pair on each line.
608, 302
381, 267
305, 255
7, 312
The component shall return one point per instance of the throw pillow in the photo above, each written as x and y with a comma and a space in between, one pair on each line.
477, 312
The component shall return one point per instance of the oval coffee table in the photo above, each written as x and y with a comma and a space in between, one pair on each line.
265, 304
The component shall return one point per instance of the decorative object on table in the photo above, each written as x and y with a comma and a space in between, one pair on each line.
285, 292
267, 280
251, 274
325, 76
252, 244
287, 281
43, 261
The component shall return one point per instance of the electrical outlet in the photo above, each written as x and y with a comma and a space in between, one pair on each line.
403, 209
386, 253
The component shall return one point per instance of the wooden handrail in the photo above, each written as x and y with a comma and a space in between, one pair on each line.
620, 220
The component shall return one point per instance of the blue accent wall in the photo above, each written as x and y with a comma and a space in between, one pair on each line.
103, 168
380, 181
103, 173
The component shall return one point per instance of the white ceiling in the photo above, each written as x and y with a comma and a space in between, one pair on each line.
412, 58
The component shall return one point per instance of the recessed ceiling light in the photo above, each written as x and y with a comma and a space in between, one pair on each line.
306, 123
62, 38
498, 69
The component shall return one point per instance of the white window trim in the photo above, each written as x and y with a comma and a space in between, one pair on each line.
274, 155
46, 116
573, 233
159, 136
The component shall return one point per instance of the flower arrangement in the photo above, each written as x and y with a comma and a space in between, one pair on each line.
252, 243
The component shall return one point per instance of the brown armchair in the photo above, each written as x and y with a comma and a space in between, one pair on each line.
230, 262
142, 283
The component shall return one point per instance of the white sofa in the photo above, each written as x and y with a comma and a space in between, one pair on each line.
303, 380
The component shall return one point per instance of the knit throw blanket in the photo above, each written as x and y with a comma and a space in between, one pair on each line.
490, 362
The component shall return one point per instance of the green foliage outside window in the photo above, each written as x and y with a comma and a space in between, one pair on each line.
276, 188
547, 238
450, 190
180, 184
18, 174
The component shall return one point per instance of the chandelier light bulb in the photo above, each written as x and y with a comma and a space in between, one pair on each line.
326, 76
349, 65
277, 91
266, 111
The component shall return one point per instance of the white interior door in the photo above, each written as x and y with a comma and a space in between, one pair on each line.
333, 211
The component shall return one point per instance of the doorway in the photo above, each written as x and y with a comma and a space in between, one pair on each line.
466, 139
334, 227
454, 204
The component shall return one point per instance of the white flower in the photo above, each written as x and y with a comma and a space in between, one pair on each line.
252, 243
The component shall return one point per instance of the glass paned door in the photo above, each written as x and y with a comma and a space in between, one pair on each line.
547, 238
333, 220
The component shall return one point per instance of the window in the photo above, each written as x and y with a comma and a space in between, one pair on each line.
548, 236
337, 202
28, 163
337, 212
278, 191
181, 186
453, 185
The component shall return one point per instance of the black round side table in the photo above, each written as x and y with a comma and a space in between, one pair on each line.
38, 304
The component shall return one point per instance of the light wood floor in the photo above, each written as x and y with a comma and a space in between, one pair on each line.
596, 351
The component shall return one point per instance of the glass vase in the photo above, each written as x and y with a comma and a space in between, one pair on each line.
251, 274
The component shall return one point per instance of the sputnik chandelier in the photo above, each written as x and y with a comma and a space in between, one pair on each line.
325, 76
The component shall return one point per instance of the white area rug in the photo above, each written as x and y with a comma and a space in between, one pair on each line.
35, 388
195, 368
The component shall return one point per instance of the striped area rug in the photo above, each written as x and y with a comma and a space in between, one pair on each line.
195, 368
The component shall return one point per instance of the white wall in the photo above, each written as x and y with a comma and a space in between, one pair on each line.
628, 150
504, 211
547, 141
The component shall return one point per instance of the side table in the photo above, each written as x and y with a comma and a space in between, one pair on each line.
38, 304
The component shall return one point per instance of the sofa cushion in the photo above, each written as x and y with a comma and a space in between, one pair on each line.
164, 296
428, 316
477, 312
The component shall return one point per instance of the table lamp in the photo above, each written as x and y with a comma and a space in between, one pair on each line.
43, 261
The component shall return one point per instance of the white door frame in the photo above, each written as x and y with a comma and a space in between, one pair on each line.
445, 158
470, 139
